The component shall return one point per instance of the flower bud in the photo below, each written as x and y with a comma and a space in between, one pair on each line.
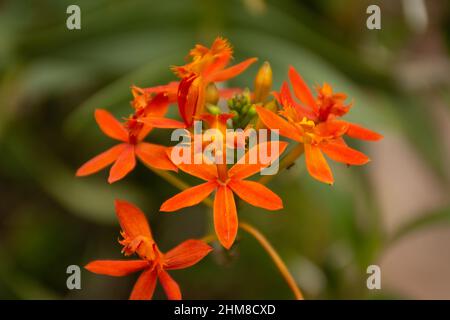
213, 109
263, 83
211, 94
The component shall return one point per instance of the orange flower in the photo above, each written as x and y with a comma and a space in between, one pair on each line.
315, 123
326, 106
208, 65
153, 264
170, 89
148, 114
226, 182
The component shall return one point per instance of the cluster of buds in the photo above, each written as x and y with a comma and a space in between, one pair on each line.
314, 124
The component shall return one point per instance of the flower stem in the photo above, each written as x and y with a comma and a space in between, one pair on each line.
175, 181
275, 258
287, 161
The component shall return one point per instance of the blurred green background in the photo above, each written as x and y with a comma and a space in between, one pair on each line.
394, 212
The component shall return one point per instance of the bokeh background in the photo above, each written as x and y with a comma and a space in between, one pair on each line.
394, 212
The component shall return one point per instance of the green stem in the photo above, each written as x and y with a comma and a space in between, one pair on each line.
286, 162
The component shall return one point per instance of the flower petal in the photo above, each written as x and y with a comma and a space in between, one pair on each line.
186, 254
101, 161
190, 97
225, 216
189, 197
123, 165
286, 100
116, 268
132, 220
170, 89
154, 156
274, 121
202, 170
256, 194
169, 285
247, 166
164, 123
342, 153
317, 165
231, 72
158, 106
145, 286
301, 89
110, 125
358, 132
331, 128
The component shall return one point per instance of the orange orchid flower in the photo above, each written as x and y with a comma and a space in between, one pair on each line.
208, 65
148, 114
137, 238
226, 183
326, 106
315, 123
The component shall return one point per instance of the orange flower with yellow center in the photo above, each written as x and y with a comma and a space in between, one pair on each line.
315, 124
227, 182
149, 111
207, 65
153, 263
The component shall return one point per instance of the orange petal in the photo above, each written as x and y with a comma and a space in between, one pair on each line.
203, 170
225, 216
287, 101
186, 254
123, 165
221, 52
256, 194
154, 156
317, 165
358, 132
160, 122
132, 220
101, 161
245, 167
190, 94
301, 89
110, 125
158, 106
145, 286
189, 197
144, 132
342, 153
116, 268
170, 89
274, 121
169, 285
331, 128
231, 72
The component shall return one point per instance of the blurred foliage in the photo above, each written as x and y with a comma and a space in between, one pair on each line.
51, 80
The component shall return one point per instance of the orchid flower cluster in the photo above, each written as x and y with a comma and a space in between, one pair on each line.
312, 123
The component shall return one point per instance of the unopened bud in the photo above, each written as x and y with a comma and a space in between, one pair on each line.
213, 109
263, 83
211, 94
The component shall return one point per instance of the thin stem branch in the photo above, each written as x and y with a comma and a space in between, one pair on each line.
286, 162
275, 258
